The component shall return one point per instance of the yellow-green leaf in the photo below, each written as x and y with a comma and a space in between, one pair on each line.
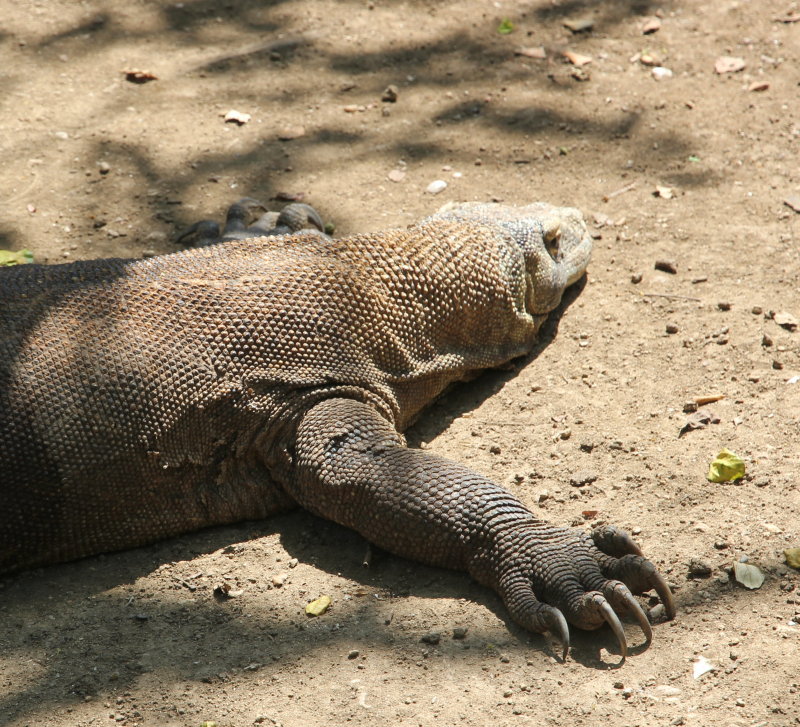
9, 257
319, 606
792, 556
726, 467
748, 575
505, 27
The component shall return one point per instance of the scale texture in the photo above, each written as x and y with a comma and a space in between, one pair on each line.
140, 399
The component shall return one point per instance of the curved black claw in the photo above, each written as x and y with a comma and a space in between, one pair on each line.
638, 613
200, 234
560, 631
298, 216
615, 542
664, 593
613, 621
239, 216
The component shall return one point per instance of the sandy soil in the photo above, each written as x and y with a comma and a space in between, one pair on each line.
94, 165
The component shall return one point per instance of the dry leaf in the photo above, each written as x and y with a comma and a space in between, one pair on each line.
792, 556
538, 52
702, 666
135, 75
651, 25
237, 117
698, 420
726, 467
319, 606
786, 320
748, 575
579, 25
577, 59
707, 399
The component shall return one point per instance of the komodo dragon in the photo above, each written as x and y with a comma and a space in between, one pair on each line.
140, 399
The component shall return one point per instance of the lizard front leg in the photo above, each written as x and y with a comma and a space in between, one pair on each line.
354, 468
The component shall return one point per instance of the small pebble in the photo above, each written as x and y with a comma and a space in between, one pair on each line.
660, 73
666, 266
672, 328
766, 340
103, 167
353, 654
432, 638
699, 568
460, 632
438, 185
722, 305
777, 365
585, 477
757, 310
636, 278
390, 94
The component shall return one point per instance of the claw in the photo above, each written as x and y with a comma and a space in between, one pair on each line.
613, 541
613, 621
664, 593
298, 216
638, 613
559, 629
200, 234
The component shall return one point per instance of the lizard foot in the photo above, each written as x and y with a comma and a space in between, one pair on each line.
550, 577
241, 223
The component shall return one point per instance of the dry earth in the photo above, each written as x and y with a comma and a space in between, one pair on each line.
94, 165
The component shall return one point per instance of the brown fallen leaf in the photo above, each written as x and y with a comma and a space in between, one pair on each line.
236, 117
136, 75
651, 25
707, 399
793, 202
793, 16
729, 64
577, 59
538, 52
698, 420
786, 320
579, 25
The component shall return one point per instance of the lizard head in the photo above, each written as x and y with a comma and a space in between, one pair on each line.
555, 245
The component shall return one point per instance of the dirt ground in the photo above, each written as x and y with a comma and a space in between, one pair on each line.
92, 164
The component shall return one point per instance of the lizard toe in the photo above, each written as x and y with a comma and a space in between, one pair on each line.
640, 575
615, 542
530, 613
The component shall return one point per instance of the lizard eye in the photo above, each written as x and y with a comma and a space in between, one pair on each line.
552, 239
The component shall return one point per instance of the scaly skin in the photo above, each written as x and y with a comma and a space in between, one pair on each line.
142, 399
